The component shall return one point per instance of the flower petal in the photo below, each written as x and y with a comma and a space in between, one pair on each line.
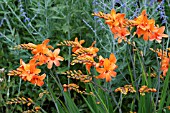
101, 76
39, 83
37, 71
56, 52
60, 58
108, 77
145, 36
112, 58
50, 64
100, 70
42, 77
113, 73
106, 64
161, 30
46, 41
88, 66
56, 62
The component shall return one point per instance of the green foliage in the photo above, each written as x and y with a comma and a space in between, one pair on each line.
33, 21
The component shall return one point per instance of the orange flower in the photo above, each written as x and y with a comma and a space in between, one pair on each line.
121, 33
54, 58
117, 24
42, 48
115, 20
143, 22
112, 58
38, 80
74, 44
147, 28
144, 26
40, 52
92, 51
28, 70
107, 70
158, 34
41, 58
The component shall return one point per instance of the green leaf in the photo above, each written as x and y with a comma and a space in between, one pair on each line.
65, 28
70, 103
164, 92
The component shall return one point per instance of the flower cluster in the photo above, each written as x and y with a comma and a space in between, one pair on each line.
117, 24
147, 28
75, 87
106, 67
25, 101
144, 89
42, 55
22, 100
29, 72
124, 90
86, 56
144, 27
78, 75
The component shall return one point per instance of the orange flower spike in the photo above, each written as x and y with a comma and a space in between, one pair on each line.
38, 80
54, 58
102, 15
158, 34
113, 13
165, 59
65, 87
93, 50
30, 67
42, 48
78, 44
122, 90
86, 59
161, 53
88, 51
29, 46
111, 18
164, 65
